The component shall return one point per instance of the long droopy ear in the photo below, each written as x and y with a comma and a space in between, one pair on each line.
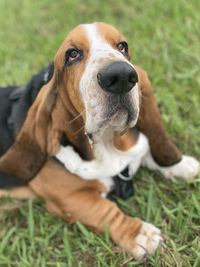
164, 152
29, 152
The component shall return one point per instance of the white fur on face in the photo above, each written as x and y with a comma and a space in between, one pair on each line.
98, 103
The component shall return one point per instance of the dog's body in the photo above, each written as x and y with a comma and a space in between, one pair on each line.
106, 110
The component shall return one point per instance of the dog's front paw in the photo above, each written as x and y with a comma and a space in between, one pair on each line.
69, 157
147, 241
186, 169
189, 166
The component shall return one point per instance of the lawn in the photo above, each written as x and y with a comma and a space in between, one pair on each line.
164, 37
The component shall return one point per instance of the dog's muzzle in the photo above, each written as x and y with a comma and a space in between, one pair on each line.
117, 78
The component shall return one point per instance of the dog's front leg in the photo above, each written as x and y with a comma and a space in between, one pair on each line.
74, 199
76, 165
163, 155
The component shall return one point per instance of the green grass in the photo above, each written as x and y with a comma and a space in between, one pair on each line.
164, 37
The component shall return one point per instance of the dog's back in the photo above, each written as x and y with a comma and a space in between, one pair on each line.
14, 105
6, 134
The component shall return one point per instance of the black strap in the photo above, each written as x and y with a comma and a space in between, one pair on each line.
123, 188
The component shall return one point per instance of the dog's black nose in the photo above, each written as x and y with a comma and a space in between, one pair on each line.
117, 78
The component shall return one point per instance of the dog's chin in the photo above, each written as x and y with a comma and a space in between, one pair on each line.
118, 123
122, 121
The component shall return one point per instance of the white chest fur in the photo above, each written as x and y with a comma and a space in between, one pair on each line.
108, 161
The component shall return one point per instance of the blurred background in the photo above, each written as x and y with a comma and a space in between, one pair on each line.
164, 37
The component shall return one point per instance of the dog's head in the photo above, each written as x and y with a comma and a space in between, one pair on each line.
94, 62
93, 84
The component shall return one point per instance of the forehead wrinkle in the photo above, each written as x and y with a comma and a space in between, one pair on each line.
77, 45
72, 43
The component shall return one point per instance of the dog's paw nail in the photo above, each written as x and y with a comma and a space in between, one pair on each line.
162, 244
146, 256
147, 241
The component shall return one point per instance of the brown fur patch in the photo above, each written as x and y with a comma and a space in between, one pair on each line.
127, 140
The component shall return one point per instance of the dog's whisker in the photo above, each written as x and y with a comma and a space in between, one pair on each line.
144, 97
79, 130
74, 119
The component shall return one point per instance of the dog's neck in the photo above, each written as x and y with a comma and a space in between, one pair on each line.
115, 141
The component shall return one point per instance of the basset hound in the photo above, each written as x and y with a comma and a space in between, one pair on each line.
93, 117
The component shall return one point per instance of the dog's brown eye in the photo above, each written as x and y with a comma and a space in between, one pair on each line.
123, 47
73, 55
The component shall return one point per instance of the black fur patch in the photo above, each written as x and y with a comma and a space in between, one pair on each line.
14, 105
